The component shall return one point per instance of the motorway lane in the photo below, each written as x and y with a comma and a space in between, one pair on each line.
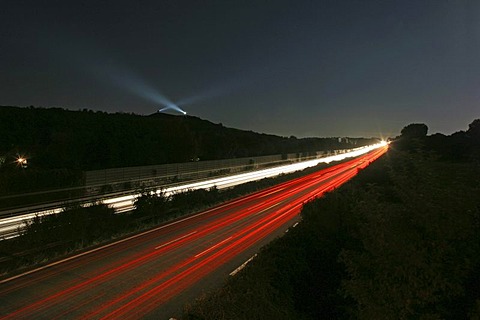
153, 273
125, 202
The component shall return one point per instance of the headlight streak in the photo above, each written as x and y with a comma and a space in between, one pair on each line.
126, 203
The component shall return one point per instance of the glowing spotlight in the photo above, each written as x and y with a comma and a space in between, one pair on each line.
173, 107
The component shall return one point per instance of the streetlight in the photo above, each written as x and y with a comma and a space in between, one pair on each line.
22, 161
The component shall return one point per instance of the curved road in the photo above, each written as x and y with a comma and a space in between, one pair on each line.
151, 275
12, 219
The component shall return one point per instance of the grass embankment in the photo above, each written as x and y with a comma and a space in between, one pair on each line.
76, 228
399, 241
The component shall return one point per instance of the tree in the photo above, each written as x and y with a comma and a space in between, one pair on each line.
151, 204
414, 130
474, 129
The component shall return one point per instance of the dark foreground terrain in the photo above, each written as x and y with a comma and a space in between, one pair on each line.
399, 241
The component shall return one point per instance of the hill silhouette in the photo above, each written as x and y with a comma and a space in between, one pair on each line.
55, 138
61, 144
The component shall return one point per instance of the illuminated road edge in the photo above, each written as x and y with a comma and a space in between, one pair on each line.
8, 226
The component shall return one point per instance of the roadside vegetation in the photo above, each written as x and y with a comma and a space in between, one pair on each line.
399, 241
79, 227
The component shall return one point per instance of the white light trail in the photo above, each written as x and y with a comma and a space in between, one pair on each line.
8, 226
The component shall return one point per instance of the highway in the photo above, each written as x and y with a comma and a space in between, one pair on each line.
152, 274
11, 220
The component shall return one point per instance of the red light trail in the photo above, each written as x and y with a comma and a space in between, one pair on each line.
149, 273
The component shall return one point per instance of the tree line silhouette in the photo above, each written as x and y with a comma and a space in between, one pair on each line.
60, 144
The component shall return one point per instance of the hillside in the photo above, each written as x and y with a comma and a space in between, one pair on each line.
55, 138
60, 144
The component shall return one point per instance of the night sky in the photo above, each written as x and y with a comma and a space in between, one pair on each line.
303, 68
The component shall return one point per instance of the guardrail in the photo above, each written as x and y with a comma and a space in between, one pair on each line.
100, 184
122, 201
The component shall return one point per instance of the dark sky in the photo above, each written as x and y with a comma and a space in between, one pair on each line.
303, 68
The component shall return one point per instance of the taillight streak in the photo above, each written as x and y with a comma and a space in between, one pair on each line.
239, 223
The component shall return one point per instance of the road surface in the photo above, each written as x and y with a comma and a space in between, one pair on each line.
11, 220
152, 274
